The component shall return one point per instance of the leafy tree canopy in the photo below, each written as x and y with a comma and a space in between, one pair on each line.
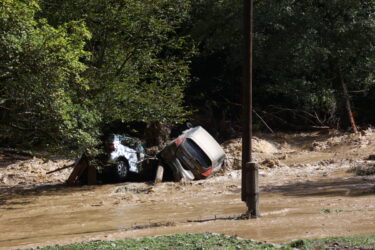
69, 68
140, 63
40, 78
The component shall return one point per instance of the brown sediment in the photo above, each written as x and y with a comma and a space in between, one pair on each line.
308, 194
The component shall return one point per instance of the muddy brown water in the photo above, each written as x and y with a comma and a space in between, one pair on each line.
305, 208
312, 196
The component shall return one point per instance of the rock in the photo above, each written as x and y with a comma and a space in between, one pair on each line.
371, 157
270, 163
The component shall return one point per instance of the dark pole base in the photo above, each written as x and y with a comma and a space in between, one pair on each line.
252, 190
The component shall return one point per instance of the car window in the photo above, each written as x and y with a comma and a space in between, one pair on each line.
196, 152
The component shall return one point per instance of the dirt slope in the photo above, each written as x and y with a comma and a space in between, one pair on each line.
307, 191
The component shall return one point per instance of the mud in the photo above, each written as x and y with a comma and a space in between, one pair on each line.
307, 191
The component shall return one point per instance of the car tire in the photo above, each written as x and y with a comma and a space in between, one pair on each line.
121, 169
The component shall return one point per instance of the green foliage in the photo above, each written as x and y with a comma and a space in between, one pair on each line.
70, 68
178, 241
218, 241
139, 64
361, 242
40, 78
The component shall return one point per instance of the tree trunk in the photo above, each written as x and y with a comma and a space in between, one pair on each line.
347, 103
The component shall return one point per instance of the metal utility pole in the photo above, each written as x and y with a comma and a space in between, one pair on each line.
250, 187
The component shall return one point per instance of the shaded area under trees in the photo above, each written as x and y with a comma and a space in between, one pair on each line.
303, 53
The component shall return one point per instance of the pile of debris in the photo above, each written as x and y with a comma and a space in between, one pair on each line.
358, 140
233, 151
31, 171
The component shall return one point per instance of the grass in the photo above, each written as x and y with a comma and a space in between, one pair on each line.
218, 241
357, 242
177, 241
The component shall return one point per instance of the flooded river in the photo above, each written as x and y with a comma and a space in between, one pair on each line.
308, 208
305, 193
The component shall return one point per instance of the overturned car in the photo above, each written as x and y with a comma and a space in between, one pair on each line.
195, 154
124, 155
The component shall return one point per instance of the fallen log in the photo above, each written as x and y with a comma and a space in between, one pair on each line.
62, 168
78, 170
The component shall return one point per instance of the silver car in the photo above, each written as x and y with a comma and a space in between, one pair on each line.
195, 154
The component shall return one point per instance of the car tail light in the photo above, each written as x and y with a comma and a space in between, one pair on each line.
207, 173
179, 141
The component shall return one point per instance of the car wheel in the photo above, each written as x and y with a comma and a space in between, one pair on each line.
121, 169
